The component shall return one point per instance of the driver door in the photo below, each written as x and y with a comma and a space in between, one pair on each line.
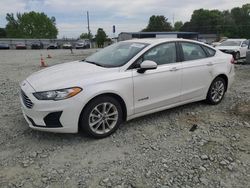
159, 87
243, 48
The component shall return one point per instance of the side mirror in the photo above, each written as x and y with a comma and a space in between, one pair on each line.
147, 65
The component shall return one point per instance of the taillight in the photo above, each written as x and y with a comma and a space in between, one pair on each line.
232, 61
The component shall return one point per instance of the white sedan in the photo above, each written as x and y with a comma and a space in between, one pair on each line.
124, 81
236, 47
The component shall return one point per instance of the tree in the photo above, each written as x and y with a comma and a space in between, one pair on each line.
101, 37
31, 25
204, 21
241, 17
86, 36
158, 23
234, 23
178, 25
2, 33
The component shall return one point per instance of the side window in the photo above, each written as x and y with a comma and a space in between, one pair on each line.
245, 43
210, 51
192, 51
162, 54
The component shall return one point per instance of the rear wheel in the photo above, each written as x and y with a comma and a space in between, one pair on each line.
216, 91
101, 117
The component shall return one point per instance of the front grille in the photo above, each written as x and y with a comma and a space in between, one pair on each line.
27, 102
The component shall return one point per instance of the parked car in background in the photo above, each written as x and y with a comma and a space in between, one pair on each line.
67, 45
4, 46
53, 46
82, 44
248, 54
21, 46
214, 44
236, 47
203, 40
123, 81
37, 45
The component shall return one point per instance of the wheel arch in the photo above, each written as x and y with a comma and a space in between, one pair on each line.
223, 76
114, 95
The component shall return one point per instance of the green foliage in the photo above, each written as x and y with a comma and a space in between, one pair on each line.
2, 33
31, 25
158, 23
234, 23
101, 37
204, 21
178, 25
86, 36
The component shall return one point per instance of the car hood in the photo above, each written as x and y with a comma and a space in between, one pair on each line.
227, 47
77, 73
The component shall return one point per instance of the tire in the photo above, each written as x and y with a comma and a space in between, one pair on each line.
237, 56
98, 123
216, 91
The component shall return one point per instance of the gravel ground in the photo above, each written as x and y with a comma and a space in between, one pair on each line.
157, 150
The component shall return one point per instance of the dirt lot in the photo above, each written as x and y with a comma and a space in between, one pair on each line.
157, 150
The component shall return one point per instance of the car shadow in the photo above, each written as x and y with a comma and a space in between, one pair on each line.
168, 112
58, 137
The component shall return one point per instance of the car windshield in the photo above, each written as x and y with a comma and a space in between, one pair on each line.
116, 55
230, 43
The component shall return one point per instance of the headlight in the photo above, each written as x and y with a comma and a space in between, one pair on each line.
57, 94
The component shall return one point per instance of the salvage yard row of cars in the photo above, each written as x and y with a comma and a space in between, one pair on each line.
239, 48
81, 44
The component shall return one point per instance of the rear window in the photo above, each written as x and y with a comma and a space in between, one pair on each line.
210, 52
192, 51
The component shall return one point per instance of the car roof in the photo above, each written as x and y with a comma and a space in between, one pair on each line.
159, 40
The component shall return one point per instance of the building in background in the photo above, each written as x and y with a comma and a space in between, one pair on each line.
185, 35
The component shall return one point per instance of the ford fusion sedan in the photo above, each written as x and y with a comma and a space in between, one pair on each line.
124, 81
236, 47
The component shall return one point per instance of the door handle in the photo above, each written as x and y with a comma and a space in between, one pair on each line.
209, 64
174, 69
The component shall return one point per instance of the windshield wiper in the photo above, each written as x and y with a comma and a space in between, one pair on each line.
92, 62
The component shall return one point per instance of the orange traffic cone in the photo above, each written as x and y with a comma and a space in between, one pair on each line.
49, 56
42, 62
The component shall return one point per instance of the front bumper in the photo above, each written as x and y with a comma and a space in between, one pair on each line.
232, 52
52, 116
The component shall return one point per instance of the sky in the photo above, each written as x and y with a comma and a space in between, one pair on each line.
126, 15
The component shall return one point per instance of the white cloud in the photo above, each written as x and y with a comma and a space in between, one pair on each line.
8, 6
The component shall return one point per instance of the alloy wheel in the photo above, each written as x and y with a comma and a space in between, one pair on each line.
103, 118
217, 91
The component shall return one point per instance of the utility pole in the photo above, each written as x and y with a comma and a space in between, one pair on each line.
88, 24
173, 20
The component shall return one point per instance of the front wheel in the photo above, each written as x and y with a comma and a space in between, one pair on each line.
216, 91
101, 117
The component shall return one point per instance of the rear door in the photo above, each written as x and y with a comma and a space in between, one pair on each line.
197, 70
